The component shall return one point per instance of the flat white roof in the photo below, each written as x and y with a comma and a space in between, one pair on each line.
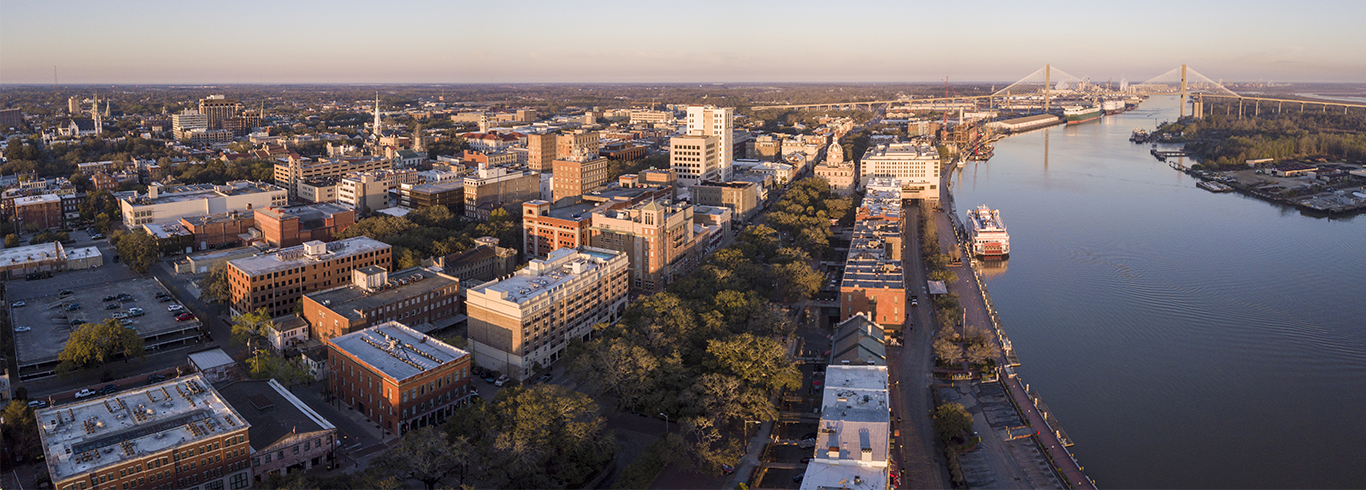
82, 253
288, 258
540, 277
211, 359
99, 432
821, 475
396, 350
31, 253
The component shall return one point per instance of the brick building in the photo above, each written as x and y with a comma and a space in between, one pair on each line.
276, 281
485, 261
398, 377
741, 197
43, 211
659, 236
574, 177
426, 299
287, 227
215, 230
286, 435
175, 434
542, 149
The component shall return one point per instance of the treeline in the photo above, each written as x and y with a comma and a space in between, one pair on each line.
1221, 140
711, 351
60, 159
804, 214
433, 231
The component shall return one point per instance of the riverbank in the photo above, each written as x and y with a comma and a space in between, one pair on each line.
1347, 197
1048, 434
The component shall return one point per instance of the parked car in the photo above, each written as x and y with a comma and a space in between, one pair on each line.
174, 308
184, 316
165, 299
156, 378
126, 322
19, 304
75, 321
135, 311
84, 393
109, 298
162, 294
37, 403
119, 316
22, 329
108, 389
544, 379
64, 292
111, 306
502, 380
73, 307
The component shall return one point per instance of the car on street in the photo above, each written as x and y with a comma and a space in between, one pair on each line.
84, 393
64, 292
107, 390
184, 316
22, 329
37, 403
502, 380
544, 379
156, 378
73, 307
174, 308
18, 304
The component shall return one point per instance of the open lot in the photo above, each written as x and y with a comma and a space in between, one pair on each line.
50, 320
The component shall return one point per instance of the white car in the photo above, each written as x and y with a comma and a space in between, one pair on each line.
22, 329
502, 380
119, 316
18, 304
84, 393
174, 308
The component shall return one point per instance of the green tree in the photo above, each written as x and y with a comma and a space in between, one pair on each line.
138, 250
251, 326
11, 240
796, 281
214, 286
94, 344
20, 432
267, 365
758, 361
427, 456
951, 420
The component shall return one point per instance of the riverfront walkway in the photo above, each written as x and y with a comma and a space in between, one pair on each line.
978, 314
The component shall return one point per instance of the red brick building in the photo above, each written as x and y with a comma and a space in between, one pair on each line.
398, 377
287, 227
219, 229
423, 298
43, 211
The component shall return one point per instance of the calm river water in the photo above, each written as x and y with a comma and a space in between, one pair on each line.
1184, 339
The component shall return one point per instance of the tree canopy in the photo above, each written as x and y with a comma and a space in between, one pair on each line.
94, 344
137, 249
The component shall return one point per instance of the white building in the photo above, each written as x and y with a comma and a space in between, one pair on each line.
695, 159
718, 122
916, 166
170, 203
853, 438
188, 120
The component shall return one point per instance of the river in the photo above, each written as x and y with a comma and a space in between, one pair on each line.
1184, 339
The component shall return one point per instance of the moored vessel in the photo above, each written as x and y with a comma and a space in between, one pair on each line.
1078, 114
988, 233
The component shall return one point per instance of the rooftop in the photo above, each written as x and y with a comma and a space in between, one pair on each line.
166, 230
31, 253
310, 216
541, 277
351, 301
289, 258
132, 424
855, 415
274, 413
821, 475
858, 341
902, 151
41, 198
872, 271
180, 193
397, 351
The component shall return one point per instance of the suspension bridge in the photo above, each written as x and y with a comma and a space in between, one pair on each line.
1046, 85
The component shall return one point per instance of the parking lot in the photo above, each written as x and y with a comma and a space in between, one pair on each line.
51, 316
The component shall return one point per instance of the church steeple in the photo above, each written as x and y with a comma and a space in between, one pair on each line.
417, 140
95, 113
376, 127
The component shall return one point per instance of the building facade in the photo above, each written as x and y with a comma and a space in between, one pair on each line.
493, 188
288, 227
171, 203
717, 122
289, 174
659, 237
574, 178
695, 159
915, 165
421, 297
278, 280
542, 150
741, 197
43, 211
286, 435
398, 377
525, 321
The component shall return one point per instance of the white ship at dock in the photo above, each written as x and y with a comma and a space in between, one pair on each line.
988, 233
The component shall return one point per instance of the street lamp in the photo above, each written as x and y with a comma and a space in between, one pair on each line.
666, 422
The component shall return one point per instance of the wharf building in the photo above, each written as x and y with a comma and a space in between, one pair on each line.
874, 279
916, 166
397, 377
286, 436
424, 298
525, 321
290, 174
171, 203
276, 281
175, 434
853, 437
660, 237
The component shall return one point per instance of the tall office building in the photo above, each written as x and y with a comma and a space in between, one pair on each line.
217, 108
718, 122
695, 159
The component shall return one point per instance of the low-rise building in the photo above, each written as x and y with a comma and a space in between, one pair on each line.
287, 227
289, 174
44, 257
853, 438
398, 377
915, 165
179, 433
317, 189
43, 211
276, 281
286, 435
525, 321
741, 197
493, 188
485, 261
426, 299
172, 238
171, 203
220, 230
577, 176
450, 194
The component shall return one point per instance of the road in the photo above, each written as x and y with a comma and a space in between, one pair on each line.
911, 368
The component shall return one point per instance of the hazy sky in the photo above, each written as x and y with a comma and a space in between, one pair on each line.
144, 41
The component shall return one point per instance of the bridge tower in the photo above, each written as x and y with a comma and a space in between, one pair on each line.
1183, 90
1047, 73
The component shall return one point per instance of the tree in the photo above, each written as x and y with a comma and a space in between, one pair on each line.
951, 420
214, 285
138, 250
98, 343
20, 431
251, 326
624, 370
796, 281
268, 365
11, 240
979, 351
947, 351
426, 456
758, 361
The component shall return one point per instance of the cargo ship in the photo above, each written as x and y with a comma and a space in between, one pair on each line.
988, 233
1078, 114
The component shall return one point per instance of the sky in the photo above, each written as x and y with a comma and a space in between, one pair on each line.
699, 41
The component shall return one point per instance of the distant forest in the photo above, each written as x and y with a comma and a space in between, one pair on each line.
1222, 139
